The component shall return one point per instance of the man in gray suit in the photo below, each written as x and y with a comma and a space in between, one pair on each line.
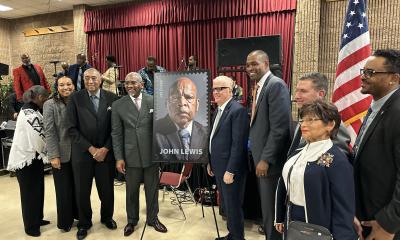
269, 133
132, 130
311, 87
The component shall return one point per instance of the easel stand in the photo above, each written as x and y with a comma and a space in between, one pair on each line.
162, 166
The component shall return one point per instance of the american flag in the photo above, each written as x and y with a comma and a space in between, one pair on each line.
355, 48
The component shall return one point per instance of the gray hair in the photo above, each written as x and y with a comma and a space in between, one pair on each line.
134, 75
33, 92
225, 79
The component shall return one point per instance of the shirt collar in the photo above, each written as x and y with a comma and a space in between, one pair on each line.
97, 93
222, 107
377, 105
263, 79
139, 97
188, 128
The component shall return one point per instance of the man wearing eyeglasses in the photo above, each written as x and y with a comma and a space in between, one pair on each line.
178, 136
377, 150
132, 131
311, 87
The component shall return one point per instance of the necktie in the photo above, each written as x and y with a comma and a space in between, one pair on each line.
185, 137
361, 132
136, 100
79, 80
95, 102
254, 102
216, 121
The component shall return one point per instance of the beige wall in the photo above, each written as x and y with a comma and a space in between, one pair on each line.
4, 41
319, 52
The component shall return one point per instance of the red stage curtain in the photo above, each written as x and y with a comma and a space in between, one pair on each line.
172, 30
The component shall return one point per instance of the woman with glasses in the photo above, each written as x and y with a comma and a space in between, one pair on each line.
59, 152
317, 182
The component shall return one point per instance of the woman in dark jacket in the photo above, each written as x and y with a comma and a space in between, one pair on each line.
59, 152
317, 183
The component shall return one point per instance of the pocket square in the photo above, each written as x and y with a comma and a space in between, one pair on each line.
109, 108
151, 110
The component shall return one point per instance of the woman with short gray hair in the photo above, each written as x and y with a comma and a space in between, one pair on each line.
27, 158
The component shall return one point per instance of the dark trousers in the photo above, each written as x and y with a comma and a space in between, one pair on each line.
31, 186
151, 180
232, 196
67, 208
267, 187
103, 172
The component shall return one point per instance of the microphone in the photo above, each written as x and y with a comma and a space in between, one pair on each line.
54, 61
118, 66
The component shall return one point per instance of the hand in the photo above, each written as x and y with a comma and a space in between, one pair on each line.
101, 154
120, 165
279, 227
228, 178
262, 168
209, 171
15, 115
358, 228
377, 232
92, 150
56, 163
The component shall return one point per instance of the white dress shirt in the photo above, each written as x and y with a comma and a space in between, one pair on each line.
310, 153
137, 100
261, 84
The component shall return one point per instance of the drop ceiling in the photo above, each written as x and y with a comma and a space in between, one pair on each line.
25, 8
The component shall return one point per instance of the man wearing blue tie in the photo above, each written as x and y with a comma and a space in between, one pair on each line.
228, 151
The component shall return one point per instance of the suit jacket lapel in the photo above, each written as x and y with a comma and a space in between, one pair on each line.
131, 109
262, 93
102, 104
87, 102
376, 120
224, 114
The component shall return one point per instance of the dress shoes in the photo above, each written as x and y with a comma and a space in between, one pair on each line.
66, 229
111, 224
223, 238
158, 226
128, 230
81, 234
33, 233
44, 222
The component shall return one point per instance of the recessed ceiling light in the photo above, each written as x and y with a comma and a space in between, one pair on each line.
4, 8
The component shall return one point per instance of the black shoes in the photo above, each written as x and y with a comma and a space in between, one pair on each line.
129, 229
158, 226
111, 224
44, 222
81, 234
33, 233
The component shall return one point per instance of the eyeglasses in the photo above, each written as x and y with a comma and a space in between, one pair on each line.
370, 72
308, 120
219, 89
177, 97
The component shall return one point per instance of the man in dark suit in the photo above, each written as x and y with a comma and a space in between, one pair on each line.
311, 87
89, 112
132, 131
228, 151
269, 133
178, 136
377, 149
75, 71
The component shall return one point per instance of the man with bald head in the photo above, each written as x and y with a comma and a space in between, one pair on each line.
269, 133
89, 126
132, 135
178, 136
28, 75
228, 151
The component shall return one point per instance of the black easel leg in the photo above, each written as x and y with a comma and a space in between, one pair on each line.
212, 200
